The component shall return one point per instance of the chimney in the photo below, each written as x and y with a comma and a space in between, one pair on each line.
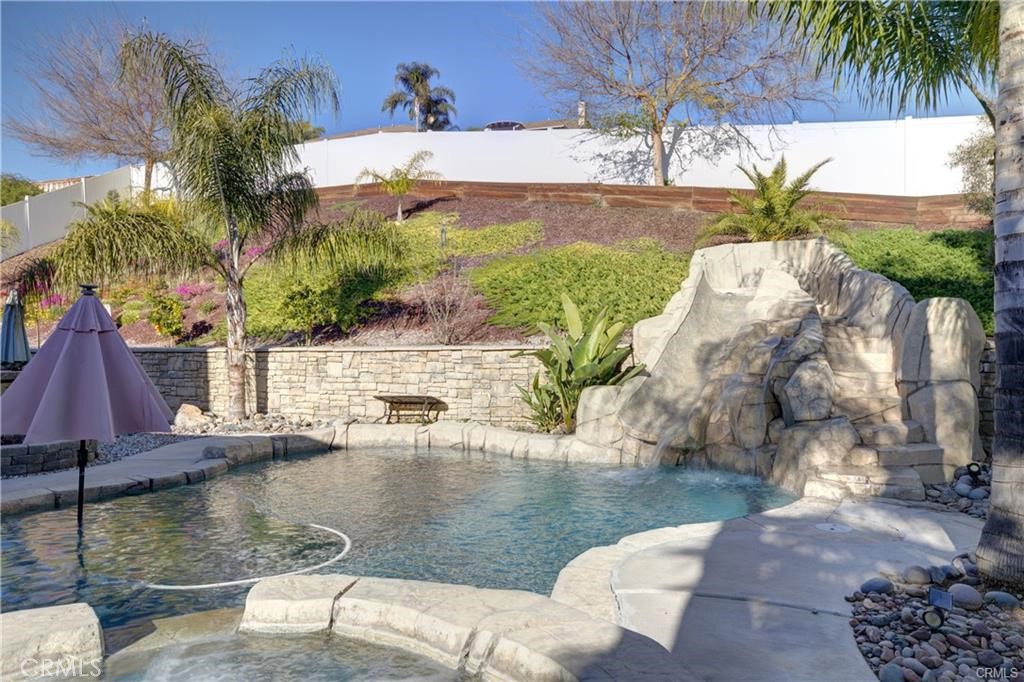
581, 114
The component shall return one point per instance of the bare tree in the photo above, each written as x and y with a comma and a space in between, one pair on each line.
84, 109
697, 68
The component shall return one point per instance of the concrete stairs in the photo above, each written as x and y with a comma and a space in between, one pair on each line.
865, 384
893, 459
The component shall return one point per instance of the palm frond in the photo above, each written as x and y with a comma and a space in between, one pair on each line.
119, 240
363, 243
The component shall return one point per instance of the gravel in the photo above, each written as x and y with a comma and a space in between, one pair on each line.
982, 642
133, 444
964, 493
211, 425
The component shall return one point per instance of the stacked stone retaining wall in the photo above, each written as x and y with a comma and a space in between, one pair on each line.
477, 382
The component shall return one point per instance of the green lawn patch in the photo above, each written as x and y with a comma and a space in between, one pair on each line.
633, 279
955, 263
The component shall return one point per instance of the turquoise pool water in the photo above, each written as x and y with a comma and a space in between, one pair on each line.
473, 519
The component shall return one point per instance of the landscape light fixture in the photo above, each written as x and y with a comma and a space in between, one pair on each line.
974, 470
933, 618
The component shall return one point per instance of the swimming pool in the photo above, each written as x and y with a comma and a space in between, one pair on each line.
474, 519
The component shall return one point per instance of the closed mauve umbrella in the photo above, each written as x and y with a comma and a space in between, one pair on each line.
84, 383
13, 340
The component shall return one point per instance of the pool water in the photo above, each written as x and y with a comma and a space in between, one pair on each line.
472, 519
307, 658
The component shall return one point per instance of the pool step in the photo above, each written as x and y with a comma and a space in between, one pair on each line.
891, 433
896, 482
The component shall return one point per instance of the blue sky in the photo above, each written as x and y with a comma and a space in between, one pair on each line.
473, 44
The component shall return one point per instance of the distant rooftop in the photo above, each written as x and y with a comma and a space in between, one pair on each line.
560, 123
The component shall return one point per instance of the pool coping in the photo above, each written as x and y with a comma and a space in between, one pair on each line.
491, 634
199, 459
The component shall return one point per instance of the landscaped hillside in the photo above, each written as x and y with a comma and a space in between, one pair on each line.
501, 270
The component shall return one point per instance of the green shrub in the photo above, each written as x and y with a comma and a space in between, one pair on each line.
633, 280
586, 353
424, 254
207, 307
166, 314
954, 263
129, 315
308, 306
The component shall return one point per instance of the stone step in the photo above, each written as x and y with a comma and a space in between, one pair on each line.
894, 433
861, 456
858, 362
925, 458
868, 409
865, 383
899, 482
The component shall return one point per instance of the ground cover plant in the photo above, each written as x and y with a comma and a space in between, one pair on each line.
946, 263
633, 280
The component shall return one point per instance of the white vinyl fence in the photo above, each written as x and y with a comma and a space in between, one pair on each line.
903, 157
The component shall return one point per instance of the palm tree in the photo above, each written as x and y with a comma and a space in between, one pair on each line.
429, 107
1001, 548
902, 62
235, 163
772, 213
402, 179
901, 52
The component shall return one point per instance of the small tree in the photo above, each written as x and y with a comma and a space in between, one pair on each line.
648, 65
85, 107
402, 179
773, 212
974, 157
235, 160
14, 188
429, 107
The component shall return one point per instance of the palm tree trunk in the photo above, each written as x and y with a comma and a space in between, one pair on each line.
416, 110
398, 216
236, 313
658, 147
1001, 548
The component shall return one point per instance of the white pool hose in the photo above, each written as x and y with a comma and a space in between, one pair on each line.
249, 581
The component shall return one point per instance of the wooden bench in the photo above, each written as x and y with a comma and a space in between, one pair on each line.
419, 408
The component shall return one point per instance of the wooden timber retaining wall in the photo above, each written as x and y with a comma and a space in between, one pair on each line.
931, 211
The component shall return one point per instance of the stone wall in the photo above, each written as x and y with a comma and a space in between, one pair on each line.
477, 382
18, 459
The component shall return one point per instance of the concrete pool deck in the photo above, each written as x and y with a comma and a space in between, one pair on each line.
760, 598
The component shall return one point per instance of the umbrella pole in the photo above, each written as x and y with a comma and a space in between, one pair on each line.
83, 456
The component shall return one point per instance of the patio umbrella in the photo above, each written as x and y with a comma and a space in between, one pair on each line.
13, 339
84, 383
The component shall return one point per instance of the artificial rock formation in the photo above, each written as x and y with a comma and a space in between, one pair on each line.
785, 360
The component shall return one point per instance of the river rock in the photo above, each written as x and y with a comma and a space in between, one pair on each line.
891, 672
965, 596
882, 586
1002, 599
989, 659
916, 575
